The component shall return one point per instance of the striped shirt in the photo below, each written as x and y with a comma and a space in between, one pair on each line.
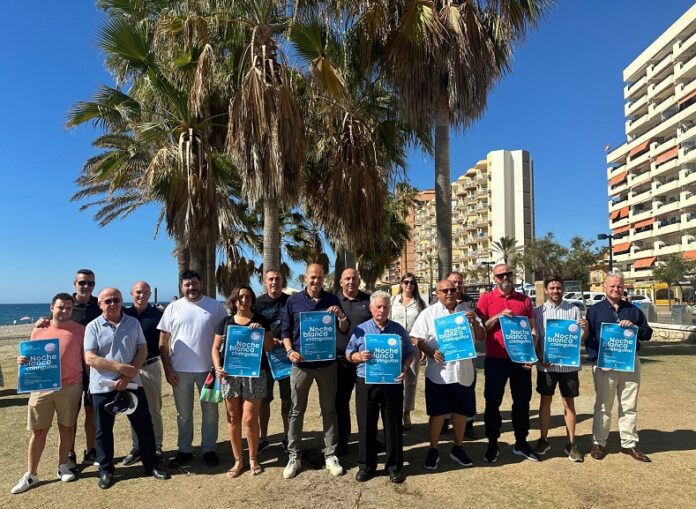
564, 311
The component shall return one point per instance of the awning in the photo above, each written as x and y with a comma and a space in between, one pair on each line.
689, 255
621, 230
618, 179
639, 149
644, 263
667, 155
614, 215
623, 212
621, 248
688, 96
643, 224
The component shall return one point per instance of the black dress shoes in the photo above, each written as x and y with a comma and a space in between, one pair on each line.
106, 480
364, 475
160, 475
396, 476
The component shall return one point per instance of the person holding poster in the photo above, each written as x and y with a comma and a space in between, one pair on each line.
611, 384
551, 375
64, 403
405, 308
312, 298
271, 305
242, 394
448, 385
387, 398
498, 368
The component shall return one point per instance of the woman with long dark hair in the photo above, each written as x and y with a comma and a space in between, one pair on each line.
242, 395
405, 308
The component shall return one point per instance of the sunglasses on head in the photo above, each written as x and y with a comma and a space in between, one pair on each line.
115, 300
448, 290
86, 283
503, 275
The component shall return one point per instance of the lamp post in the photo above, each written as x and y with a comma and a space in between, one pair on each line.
487, 265
609, 237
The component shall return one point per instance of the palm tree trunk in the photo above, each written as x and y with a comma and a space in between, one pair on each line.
271, 235
183, 259
210, 270
443, 188
345, 259
198, 263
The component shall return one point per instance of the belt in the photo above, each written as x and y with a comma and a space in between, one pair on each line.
151, 360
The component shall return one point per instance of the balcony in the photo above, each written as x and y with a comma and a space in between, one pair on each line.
667, 250
685, 44
634, 88
685, 69
664, 168
637, 180
659, 107
661, 89
633, 125
656, 70
663, 188
667, 228
637, 106
640, 215
662, 208
687, 177
647, 234
641, 196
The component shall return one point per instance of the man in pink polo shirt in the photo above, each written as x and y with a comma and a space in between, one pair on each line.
503, 300
65, 402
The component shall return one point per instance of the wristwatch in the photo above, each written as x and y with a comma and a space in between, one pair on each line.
343, 319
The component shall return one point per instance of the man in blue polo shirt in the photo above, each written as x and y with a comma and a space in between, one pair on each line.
610, 384
371, 399
312, 298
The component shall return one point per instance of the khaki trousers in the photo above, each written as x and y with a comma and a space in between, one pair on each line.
624, 387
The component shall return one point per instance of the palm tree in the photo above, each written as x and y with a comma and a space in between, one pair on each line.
442, 57
507, 248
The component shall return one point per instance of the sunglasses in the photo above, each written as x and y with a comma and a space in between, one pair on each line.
408, 282
86, 283
115, 300
448, 290
503, 275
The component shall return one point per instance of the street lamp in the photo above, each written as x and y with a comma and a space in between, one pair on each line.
488, 274
609, 237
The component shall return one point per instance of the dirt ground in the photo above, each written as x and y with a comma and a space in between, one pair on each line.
666, 424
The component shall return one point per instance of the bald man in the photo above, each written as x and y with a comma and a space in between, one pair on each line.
312, 298
115, 350
356, 305
151, 371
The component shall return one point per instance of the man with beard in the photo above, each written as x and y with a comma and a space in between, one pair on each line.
503, 300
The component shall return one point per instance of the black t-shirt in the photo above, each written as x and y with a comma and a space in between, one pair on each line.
85, 313
358, 311
149, 319
256, 318
272, 309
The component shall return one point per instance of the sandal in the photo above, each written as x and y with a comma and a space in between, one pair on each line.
236, 470
254, 466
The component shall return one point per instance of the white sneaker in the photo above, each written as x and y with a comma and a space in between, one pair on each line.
65, 474
26, 482
292, 468
333, 466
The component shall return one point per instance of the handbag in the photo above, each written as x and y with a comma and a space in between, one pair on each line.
211, 390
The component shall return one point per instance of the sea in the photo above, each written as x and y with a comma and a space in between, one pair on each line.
15, 314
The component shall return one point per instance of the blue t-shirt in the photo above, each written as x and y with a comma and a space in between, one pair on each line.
357, 340
116, 343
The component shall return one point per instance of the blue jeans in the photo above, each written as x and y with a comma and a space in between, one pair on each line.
183, 399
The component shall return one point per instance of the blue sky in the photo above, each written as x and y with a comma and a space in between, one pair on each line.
563, 102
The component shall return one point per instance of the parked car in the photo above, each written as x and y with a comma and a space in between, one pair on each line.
578, 303
594, 297
639, 298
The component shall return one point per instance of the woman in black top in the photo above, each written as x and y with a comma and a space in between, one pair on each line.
242, 395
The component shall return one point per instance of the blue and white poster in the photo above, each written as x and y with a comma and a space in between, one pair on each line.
617, 347
519, 342
243, 349
281, 366
454, 337
42, 372
317, 336
562, 343
385, 365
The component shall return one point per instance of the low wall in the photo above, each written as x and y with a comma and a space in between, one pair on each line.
676, 333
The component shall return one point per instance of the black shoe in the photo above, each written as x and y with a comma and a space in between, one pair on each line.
133, 457
523, 449
181, 458
106, 479
491, 455
445, 427
364, 475
396, 476
458, 455
432, 459
263, 443
160, 475
211, 459
90, 458
469, 431
341, 450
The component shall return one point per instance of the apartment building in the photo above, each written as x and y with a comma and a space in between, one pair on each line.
652, 177
493, 199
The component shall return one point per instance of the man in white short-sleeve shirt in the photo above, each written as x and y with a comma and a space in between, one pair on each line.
448, 385
186, 340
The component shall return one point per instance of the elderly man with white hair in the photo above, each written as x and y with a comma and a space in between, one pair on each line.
387, 398
611, 384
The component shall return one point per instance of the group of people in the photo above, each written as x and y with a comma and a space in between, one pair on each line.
124, 351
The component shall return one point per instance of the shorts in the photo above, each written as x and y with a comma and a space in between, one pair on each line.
454, 398
242, 387
283, 385
65, 403
568, 383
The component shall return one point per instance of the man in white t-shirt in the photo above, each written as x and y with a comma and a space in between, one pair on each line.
186, 341
449, 386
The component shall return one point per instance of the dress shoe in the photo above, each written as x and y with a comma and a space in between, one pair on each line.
598, 452
364, 475
160, 475
636, 454
106, 479
396, 476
